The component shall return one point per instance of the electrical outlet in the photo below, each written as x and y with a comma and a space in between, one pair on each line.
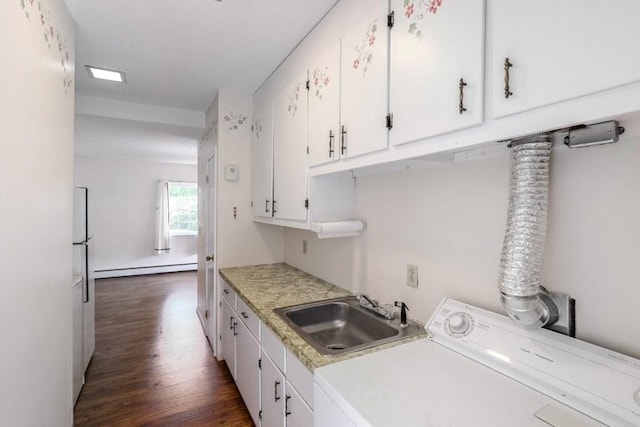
412, 275
304, 247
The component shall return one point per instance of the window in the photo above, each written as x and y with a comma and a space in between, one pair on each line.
183, 208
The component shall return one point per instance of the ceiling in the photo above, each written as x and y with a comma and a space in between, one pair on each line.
178, 53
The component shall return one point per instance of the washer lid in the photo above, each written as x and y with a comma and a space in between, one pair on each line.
596, 381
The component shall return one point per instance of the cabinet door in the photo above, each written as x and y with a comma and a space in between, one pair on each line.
273, 398
229, 327
364, 82
324, 107
298, 413
262, 139
248, 371
290, 151
437, 62
561, 50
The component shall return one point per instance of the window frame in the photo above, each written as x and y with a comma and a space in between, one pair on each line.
179, 233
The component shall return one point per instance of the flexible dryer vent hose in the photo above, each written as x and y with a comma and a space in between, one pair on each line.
525, 301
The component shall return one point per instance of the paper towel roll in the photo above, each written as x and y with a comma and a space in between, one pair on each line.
333, 229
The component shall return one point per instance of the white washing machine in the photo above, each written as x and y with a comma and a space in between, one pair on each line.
477, 368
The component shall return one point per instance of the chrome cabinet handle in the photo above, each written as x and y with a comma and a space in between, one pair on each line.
231, 322
507, 89
343, 140
244, 314
461, 86
226, 291
266, 206
235, 333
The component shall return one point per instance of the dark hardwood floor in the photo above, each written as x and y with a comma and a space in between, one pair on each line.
152, 365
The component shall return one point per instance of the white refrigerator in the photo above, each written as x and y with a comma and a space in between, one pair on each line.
84, 310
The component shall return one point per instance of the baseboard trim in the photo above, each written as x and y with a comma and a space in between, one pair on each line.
138, 271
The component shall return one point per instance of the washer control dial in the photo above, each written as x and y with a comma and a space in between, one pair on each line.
459, 324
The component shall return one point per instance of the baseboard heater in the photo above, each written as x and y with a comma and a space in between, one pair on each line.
137, 271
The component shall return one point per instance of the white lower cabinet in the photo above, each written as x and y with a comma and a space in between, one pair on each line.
275, 386
241, 349
248, 370
273, 397
229, 321
297, 411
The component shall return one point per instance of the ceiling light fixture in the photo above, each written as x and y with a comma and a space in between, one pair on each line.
104, 74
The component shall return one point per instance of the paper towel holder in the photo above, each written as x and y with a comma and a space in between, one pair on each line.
334, 229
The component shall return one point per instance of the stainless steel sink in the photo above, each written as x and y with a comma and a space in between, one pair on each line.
339, 326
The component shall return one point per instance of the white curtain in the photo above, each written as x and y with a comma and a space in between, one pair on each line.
163, 238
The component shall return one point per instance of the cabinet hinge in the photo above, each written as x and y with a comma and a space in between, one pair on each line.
306, 203
389, 121
259, 363
391, 19
260, 414
308, 84
206, 314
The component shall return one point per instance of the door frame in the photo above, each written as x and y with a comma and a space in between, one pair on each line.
211, 280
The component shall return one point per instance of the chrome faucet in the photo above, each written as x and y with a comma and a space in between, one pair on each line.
372, 305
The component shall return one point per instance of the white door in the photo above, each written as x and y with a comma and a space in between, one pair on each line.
437, 64
272, 385
228, 334
560, 50
89, 306
290, 151
364, 83
262, 177
298, 414
247, 370
324, 107
211, 294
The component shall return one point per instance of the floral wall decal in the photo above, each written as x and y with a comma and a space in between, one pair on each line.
363, 50
53, 37
415, 11
234, 121
292, 108
320, 80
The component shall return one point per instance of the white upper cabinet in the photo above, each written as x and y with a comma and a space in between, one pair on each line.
560, 50
324, 107
262, 140
290, 151
436, 69
364, 83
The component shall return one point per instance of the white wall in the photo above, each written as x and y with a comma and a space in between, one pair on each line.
240, 241
449, 219
36, 172
122, 201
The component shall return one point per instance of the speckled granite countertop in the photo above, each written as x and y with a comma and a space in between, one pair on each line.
269, 286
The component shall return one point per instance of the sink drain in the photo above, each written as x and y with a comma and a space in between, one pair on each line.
336, 346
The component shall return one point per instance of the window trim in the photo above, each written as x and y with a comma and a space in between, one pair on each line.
182, 233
